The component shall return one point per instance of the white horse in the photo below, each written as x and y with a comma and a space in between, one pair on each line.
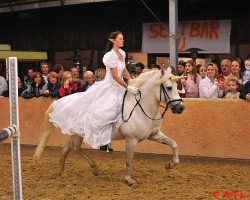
141, 120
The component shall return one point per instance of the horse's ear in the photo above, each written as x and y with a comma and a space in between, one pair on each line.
169, 70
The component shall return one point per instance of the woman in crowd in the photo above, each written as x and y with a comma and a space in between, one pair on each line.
53, 85
191, 83
36, 88
209, 86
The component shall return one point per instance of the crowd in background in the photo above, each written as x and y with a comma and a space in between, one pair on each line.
229, 79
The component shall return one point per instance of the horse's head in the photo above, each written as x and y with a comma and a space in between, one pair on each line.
168, 91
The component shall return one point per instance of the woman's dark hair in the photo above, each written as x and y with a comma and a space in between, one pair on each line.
113, 35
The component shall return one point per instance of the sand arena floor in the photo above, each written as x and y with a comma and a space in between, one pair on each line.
193, 178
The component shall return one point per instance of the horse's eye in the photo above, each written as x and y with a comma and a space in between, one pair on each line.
169, 87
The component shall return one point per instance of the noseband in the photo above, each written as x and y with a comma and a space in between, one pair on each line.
167, 99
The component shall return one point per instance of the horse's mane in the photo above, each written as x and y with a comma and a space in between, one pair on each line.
137, 82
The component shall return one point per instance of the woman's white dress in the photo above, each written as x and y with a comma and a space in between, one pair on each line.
96, 113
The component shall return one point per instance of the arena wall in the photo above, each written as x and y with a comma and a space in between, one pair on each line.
207, 128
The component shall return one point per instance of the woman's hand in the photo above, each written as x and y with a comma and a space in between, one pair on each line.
133, 89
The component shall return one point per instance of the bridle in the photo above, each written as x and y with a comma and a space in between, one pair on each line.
167, 99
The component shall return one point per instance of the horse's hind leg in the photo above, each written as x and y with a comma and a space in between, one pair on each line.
91, 162
159, 137
65, 152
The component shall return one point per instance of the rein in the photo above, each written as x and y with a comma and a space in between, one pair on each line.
162, 89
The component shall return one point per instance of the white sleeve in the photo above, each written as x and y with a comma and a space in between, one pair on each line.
204, 90
110, 60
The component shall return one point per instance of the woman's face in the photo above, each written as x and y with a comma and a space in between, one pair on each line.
69, 78
90, 79
235, 67
188, 68
211, 71
53, 80
203, 72
38, 79
118, 41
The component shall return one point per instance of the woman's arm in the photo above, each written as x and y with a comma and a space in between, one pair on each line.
117, 78
126, 74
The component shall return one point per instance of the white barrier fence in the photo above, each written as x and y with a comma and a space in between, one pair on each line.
13, 129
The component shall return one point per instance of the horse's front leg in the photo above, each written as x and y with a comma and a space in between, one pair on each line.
130, 149
158, 136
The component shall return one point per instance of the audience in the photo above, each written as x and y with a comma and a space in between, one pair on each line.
202, 71
36, 88
233, 86
68, 86
21, 88
209, 87
89, 78
28, 78
3, 85
99, 74
245, 92
246, 74
53, 85
191, 83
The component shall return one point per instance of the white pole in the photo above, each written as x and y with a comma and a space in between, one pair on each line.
173, 32
14, 121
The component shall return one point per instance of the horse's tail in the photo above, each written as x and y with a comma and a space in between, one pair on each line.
46, 130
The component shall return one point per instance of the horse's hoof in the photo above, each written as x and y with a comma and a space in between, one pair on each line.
95, 172
170, 165
131, 182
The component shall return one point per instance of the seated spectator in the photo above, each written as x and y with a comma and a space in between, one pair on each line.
202, 71
89, 78
246, 74
3, 85
21, 88
225, 70
181, 67
209, 87
191, 83
68, 86
99, 74
45, 70
233, 86
75, 74
36, 88
28, 78
53, 85
59, 69
245, 92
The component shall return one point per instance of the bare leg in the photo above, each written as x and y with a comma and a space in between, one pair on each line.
158, 136
130, 148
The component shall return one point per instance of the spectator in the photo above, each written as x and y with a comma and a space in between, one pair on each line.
59, 69
203, 71
225, 70
240, 60
89, 78
20, 86
27, 79
235, 72
53, 85
233, 86
246, 75
68, 86
245, 93
45, 70
75, 74
139, 67
191, 83
181, 67
3, 85
36, 88
99, 74
208, 86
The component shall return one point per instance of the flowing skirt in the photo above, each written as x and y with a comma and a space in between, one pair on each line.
94, 115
